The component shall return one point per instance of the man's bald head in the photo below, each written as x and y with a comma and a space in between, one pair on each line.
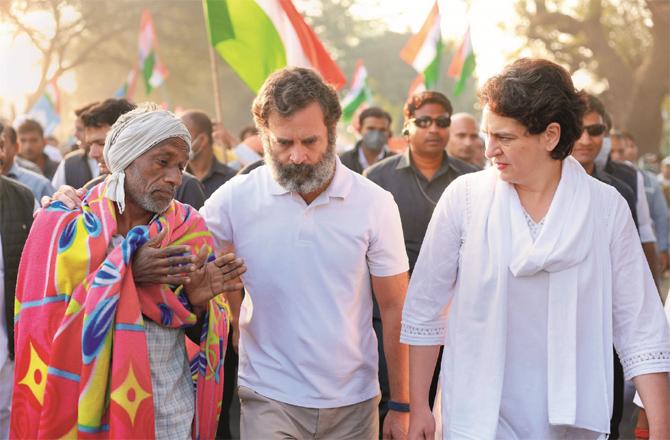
463, 137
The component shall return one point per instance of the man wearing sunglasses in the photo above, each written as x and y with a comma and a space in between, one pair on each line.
588, 146
620, 177
418, 177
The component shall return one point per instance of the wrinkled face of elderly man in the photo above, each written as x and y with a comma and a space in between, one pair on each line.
152, 179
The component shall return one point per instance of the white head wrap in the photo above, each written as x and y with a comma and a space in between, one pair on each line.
132, 135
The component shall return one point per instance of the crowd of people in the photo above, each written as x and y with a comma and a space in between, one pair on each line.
497, 279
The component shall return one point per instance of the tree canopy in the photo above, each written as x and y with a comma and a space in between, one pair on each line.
623, 45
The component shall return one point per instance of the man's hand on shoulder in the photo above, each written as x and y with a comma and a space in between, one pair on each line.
66, 194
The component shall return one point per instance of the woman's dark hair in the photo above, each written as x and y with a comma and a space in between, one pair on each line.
537, 92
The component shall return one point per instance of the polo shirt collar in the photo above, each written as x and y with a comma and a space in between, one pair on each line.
404, 160
339, 187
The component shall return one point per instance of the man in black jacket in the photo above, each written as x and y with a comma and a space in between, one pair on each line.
16, 217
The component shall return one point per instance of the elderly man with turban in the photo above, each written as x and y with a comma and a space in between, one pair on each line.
106, 292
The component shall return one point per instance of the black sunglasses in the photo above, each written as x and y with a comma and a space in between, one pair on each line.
595, 129
427, 121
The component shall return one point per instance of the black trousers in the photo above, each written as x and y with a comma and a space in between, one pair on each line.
229, 383
617, 408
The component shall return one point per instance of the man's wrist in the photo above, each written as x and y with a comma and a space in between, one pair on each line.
398, 406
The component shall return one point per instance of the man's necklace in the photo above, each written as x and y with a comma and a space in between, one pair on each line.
423, 192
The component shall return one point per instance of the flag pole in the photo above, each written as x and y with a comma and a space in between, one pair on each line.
213, 67
215, 78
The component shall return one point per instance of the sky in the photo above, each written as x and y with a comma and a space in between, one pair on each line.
19, 61
20, 64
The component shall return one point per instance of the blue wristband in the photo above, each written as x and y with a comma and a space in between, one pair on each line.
397, 406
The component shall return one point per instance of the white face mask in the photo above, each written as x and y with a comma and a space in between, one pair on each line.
601, 158
195, 148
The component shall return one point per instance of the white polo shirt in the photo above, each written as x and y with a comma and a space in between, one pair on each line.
306, 333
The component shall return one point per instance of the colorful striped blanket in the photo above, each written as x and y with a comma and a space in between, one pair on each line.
82, 367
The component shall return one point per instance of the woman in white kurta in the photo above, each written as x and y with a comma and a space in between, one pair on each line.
544, 271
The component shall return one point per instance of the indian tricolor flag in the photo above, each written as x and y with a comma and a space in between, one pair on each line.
46, 109
127, 89
418, 85
424, 50
257, 37
358, 95
463, 64
153, 71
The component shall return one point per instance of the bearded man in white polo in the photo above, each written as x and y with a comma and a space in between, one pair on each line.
317, 240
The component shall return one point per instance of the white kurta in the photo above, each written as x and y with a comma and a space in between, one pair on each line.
523, 406
616, 303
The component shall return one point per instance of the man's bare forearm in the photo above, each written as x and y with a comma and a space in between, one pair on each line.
653, 390
397, 355
390, 293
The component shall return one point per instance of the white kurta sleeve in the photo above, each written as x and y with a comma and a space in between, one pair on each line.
641, 333
433, 281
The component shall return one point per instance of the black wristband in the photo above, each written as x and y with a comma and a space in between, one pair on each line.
397, 406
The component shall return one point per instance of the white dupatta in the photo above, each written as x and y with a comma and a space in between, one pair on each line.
498, 242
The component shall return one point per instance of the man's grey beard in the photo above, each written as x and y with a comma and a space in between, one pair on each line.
302, 178
136, 187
